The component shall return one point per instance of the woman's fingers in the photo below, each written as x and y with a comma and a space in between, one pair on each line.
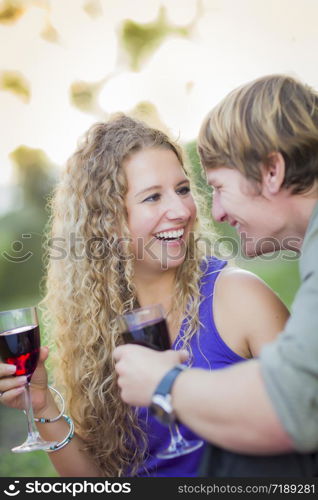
11, 383
9, 395
7, 370
10, 386
44, 353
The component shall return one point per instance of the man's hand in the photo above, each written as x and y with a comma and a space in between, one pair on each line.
140, 370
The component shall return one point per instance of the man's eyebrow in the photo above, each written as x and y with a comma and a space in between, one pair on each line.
150, 188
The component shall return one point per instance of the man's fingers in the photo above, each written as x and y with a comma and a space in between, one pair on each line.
184, 355
175, 356
117, 353
120, 350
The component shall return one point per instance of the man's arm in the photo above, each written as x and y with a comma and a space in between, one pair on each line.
228, 407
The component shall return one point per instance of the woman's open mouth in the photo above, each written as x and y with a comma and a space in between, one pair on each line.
170, 235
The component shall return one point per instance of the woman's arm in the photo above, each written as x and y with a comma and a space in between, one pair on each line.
70, 461
247, 313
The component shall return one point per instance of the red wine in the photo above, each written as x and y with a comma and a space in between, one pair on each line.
153, 335
21, 347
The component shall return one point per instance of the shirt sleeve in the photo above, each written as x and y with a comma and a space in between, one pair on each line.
289, 365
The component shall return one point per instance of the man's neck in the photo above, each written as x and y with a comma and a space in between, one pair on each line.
302, 207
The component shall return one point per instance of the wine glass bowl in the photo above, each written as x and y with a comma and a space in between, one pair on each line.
21, 347
147, 326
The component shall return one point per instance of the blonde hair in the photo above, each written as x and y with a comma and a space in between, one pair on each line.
86, 293
275, 113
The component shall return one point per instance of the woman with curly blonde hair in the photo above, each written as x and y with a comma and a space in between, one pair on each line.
87, 292
126, 233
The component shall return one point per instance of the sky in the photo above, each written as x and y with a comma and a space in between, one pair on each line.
54, 44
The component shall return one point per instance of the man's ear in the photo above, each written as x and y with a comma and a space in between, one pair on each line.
273, 173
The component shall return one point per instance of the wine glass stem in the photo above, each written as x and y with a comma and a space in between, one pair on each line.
176, 437
32, 430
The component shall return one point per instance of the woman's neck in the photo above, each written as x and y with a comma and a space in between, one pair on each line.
160, 289
155, 288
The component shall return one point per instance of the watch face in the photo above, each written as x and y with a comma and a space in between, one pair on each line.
161, 409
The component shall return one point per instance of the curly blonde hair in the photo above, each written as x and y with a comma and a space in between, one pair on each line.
89, 283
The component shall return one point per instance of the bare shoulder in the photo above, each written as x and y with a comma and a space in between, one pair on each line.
245, 304
233, 281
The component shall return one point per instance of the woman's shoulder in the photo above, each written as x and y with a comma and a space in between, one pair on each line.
235, 282
245, 303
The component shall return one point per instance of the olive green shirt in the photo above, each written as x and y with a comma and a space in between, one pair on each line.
290, 364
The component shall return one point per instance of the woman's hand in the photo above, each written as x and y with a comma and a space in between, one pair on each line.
12, 388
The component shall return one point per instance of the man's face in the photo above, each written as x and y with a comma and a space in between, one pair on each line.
257, 218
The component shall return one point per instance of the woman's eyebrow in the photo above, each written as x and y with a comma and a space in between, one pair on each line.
150, 188
147, 189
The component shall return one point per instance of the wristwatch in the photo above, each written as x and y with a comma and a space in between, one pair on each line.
161, 406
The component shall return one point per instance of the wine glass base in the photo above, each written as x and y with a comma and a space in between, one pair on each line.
178, 449
33, 442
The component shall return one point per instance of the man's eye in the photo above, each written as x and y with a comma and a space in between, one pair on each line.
153, 197
184, 190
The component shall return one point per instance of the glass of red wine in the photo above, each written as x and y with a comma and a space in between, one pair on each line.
147, 326
20, 346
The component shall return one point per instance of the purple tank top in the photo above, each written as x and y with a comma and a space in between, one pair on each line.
210, 353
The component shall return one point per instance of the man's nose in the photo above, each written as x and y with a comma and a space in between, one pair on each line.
218, 213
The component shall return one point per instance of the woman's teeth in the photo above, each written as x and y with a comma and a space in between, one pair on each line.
170, 235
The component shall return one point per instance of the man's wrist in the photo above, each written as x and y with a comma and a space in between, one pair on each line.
176, 390
161, 404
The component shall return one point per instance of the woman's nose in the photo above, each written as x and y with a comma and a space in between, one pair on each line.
177, 209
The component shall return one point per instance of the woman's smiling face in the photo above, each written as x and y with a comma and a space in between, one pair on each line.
160, 207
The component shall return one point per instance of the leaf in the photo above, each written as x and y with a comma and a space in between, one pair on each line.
84, 95
93, 8
50, 34
15, 82
141, 40
10, 11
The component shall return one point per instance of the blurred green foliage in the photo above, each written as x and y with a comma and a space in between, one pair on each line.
15, 82
11, 11
141, 40
93, 8
21, 230
84, 96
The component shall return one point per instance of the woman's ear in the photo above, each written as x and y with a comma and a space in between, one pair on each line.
273, 173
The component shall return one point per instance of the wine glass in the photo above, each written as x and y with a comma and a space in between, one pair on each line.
147, 326
20, 346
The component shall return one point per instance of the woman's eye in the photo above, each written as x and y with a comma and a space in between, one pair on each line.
184, 190
153, 197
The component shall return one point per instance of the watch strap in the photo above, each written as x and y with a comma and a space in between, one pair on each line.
165, 385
